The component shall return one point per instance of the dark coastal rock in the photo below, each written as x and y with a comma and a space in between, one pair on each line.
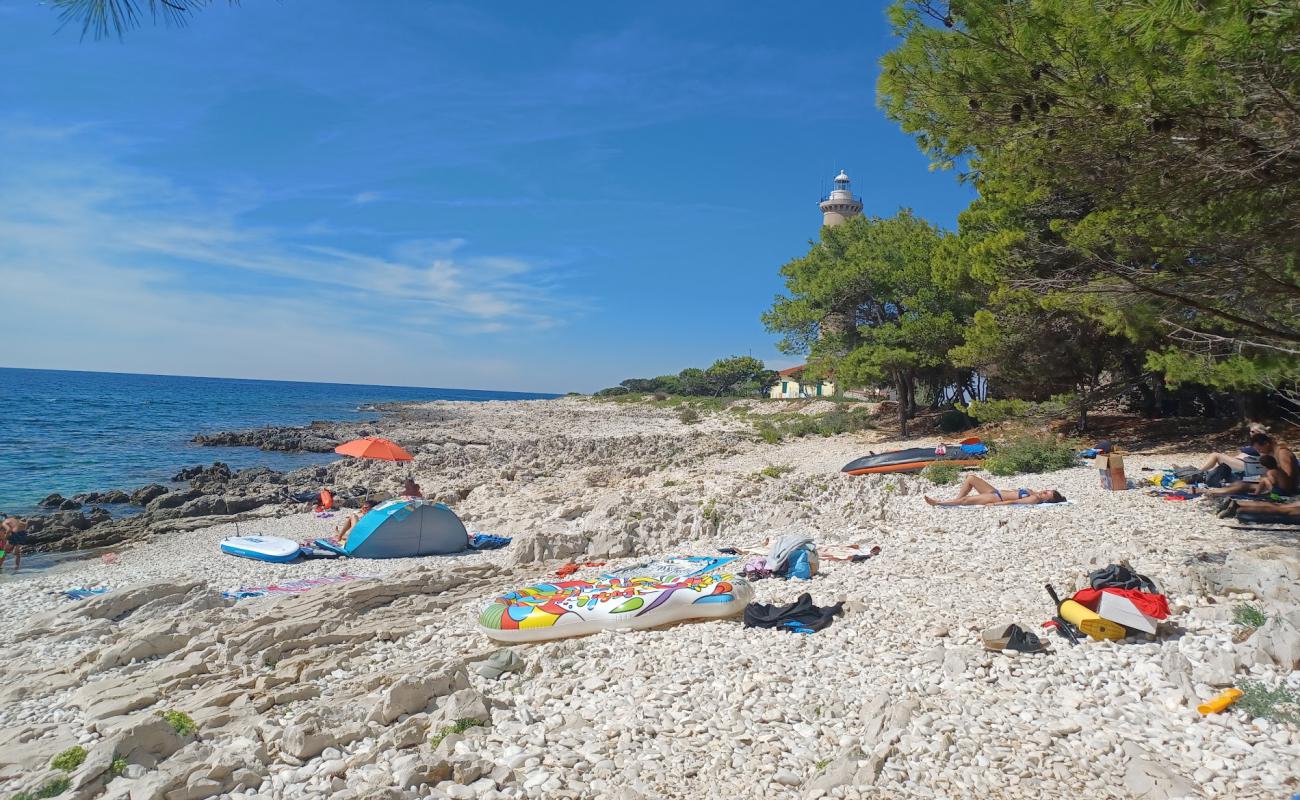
200, 475
315, 438
147, 494
115, 497
174, 499
86, 497
60, 502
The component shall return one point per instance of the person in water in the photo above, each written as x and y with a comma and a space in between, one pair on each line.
411, 489
1282, 470
13, 535
976, 491
351, 522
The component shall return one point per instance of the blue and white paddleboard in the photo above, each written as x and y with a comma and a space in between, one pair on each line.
262, 548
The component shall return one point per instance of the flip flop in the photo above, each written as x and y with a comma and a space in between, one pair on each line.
1011, 637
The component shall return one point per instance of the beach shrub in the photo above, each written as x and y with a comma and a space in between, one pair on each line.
1248, 616
69, 759
774, 471
953, 420
1280, 704
688, 415
459, 726
181, 722
118, 767
774, 428
1031, 454
51, 788
941, 474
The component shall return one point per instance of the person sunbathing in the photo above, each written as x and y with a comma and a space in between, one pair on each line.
976, 491
1235, 507
351, 522
411, 489
1281, 470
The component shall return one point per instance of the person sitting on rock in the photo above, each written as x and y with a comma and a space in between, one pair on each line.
1281, 470
411, 489
976, 491
348, 524
13, 535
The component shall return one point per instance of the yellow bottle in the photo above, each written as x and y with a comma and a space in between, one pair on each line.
1090, 622
1220, 702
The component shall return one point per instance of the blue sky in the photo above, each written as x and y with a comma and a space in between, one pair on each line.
515, 195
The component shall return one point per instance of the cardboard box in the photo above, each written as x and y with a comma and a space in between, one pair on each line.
1121, 609
1111, 470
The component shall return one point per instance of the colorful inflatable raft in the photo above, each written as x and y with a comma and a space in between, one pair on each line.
915, 459
576, 608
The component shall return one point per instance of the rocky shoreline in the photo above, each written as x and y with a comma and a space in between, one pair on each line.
371, 688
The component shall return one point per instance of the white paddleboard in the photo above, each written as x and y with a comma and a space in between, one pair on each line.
262, 548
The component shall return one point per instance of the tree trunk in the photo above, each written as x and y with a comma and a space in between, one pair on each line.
904, 402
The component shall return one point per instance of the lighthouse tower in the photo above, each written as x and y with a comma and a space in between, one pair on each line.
841, 204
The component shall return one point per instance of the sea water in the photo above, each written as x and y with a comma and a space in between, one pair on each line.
71, 432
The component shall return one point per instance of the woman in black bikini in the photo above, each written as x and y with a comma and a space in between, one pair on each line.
976, 491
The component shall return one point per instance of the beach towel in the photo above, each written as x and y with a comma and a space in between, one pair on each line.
295, 586
486, 541
1034, 505
801, 616
82, 592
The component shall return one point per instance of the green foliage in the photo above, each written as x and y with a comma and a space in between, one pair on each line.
953, 421
1137, 177
688, 415
1279, 704
69, 759
1032, 454
822, 764
118, 767
1248, 616
774, 428
989, 411
459, 726
773, 471
181, 722
864, 303
736, 376
941, 474
711, 513
51, 788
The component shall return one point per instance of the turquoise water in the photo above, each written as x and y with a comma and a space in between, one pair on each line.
71, 432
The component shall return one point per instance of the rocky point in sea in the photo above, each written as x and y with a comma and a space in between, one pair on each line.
373, 687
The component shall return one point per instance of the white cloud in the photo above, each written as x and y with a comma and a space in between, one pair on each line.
366, 198
120, 270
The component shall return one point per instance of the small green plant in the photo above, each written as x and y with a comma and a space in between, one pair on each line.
118, 768
774, 471
181, 722
710, 512
1280, 704
69, 759
51, 788
1248, 616
769, 434
688, 415
823, 764
670, 482
1032, 454
941, 474
459, 726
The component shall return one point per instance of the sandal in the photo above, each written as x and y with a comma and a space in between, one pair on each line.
1011, 637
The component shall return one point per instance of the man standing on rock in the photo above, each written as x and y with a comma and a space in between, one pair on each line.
13, 535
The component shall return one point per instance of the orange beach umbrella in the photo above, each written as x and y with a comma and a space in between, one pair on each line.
373, 447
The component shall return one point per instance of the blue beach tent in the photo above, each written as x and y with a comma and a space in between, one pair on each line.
403, 528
